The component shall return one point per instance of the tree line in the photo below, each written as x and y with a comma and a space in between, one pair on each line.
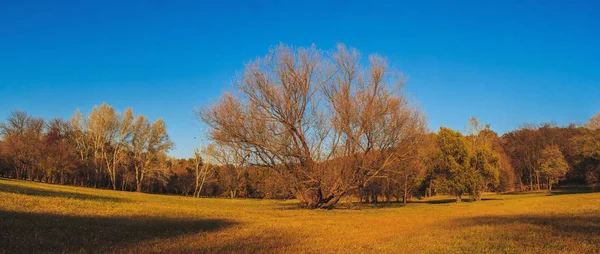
306, 124
104, 149
120, 151
330, 127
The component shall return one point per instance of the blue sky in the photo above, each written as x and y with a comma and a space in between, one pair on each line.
504, 62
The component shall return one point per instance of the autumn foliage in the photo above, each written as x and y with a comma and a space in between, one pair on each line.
307, 124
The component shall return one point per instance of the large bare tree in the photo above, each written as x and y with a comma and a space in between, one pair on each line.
324, 123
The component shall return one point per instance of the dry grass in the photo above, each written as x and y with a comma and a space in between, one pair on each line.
37, 217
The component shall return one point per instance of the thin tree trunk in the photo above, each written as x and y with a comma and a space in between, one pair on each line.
360, 194
197, 187
404, 199
531, 182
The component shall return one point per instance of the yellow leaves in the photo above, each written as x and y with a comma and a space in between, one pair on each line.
552, 162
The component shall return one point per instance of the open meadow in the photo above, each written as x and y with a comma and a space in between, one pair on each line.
36, 217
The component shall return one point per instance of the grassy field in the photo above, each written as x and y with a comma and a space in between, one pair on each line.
37, 217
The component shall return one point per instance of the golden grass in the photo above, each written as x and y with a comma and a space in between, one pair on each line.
37, 217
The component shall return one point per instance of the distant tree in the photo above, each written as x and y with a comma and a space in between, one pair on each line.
587, 149
485, 161
84, 145
524, 147
23, 138
109, 132
199, 173
473, 128
148, 142
61, 159
203, 163
182, 176
468, 165
553, 165
233, 171
410, 170
506, 181
594, 122
13, 133
453, 174
4, 164
158, 174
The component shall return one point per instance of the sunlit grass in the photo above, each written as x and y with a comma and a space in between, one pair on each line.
37, 217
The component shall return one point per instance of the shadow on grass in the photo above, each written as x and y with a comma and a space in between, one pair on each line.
380, 205
396, 204
35, 233
289, 206
533, 233
272, 242
32, 191
574, 190
449, 200
517, 193
434, 201
559, 191
344, 206
585, 224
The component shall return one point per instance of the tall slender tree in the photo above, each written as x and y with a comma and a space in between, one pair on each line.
109, 132
148, 142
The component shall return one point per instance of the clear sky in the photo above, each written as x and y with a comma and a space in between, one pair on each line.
504, 62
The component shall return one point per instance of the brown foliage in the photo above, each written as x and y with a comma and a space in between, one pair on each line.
322, 123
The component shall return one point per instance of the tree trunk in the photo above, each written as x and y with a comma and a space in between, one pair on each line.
200, 189
139, 178
521, 185
531, 182
388, 191
18, 174
360, 196
197, 182
405, 196
458, 198
112, 178
314, 199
